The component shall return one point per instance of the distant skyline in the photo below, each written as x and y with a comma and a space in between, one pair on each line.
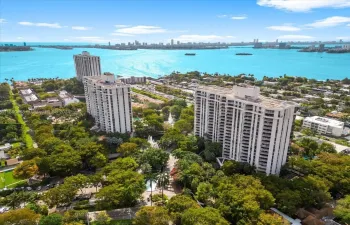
186, 21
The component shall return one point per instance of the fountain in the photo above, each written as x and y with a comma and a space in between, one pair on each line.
171, 120
152, 142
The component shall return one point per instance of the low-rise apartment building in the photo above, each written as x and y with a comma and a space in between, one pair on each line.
324, 125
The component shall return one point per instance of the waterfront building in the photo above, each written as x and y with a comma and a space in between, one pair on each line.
347, 47
108, 101
251, 128
134, 80
86, 65
324, 125
172, 41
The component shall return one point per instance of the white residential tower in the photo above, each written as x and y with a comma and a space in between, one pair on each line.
251, 128
86, 65
109, 101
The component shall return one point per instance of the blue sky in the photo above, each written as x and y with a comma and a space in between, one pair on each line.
159, 21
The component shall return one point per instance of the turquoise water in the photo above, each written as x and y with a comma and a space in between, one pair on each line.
51, 63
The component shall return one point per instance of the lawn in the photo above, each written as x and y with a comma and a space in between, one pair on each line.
6, 179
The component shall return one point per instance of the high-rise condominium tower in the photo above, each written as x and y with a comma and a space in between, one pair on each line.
109, 102
250, 127
87, 65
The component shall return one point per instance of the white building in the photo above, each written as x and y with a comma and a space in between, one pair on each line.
109, 102
250, 127
134, 80
86, 65
347, 47
324, 125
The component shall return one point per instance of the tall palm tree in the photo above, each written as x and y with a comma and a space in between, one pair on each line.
151, 177
162, 181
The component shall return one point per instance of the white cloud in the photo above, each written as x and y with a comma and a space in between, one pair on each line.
239, 17
122, 34
303, 5
291, 37
2, 20
121, 26
141, 30
343, 38
80, 28
284, 28
222, 16
19, 38
196, 37
50, 25
348, 25
330, 22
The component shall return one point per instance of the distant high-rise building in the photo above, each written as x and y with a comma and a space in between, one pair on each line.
321, 47
24, 44
109, 43
178, 42
87, 65
108, 101
276, 40
172, 41
251, 128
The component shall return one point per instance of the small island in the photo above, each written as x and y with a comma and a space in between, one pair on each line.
56, 46
190, 54
15, 48
244, 54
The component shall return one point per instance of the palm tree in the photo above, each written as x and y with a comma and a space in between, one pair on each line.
163, 180
151, 177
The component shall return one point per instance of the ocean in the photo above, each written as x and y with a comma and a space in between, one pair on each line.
52, 63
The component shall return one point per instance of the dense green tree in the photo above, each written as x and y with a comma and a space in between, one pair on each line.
151, 215
178, 204
52, 219
65, 163
141, 142
19, 217
78, 182
124, 188
203, 216
156, 157
204, 192
61, 195
310, 146
184, 126
288, 201
231, 167
128, 149
176, 111
326, 147
15, 199
211, 151
342, 210
30, 153
74, 216
98, 161
171, 138
271, 219
25, 170
242, 198
126, 163
103, 219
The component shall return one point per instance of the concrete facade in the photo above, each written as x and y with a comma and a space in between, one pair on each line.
109, 102
324, 125
86, 65
250, 127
